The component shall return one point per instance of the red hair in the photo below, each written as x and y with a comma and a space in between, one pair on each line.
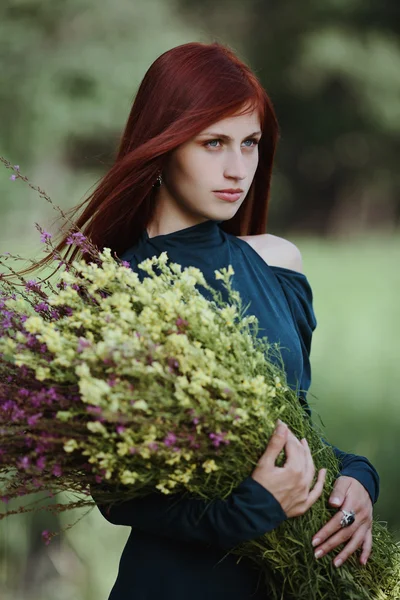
184, 91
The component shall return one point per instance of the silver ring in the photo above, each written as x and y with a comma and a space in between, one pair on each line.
348, 518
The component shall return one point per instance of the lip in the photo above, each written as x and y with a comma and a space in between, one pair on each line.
228, 196
230, 191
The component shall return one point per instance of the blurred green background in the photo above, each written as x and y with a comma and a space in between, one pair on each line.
69, 73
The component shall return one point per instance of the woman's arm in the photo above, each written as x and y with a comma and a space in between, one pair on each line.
248, 512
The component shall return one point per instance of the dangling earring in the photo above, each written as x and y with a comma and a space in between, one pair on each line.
158, 182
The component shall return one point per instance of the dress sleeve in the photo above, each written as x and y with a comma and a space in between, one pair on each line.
247, 513
298, 293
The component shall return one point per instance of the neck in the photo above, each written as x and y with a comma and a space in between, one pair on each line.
156, 229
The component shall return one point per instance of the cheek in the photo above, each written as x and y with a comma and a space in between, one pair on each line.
253, 165
198, 170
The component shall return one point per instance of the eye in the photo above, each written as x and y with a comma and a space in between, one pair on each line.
254, 140
208, 144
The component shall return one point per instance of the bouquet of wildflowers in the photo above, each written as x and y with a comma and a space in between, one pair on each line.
109, 378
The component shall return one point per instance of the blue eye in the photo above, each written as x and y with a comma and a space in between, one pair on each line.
208, 144
255, 142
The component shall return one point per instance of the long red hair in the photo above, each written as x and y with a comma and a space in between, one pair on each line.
184, 91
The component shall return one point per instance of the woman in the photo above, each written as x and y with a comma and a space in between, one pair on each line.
192, 177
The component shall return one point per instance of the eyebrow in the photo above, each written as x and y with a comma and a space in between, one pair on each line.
225, 137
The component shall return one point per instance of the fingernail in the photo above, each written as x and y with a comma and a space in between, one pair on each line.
335, 501
316, 542
338, 562
318, 553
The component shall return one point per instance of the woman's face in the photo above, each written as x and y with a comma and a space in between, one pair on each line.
223, 156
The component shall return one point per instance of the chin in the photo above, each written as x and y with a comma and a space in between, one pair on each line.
229, 211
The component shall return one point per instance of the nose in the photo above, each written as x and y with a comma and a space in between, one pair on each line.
235, 167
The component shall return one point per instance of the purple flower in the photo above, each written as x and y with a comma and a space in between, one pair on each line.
24, 462
173, 364
120, 429
57, 470
13, 177
125, 263
33, 419
179, 322
170, 439
218, 438
46, 536
32, 285
41, 306
41, 463
94, 410
153, 446
78, 239
82, 344
45, 236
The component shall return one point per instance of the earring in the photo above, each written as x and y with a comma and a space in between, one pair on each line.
158, 182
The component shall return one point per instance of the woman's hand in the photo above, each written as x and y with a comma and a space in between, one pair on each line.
348, 494
291, 483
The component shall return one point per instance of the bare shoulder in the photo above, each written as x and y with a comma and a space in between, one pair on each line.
276, 251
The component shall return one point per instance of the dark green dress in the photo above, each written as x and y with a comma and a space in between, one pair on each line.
177, 549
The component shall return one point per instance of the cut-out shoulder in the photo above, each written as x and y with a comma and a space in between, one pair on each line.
276, 251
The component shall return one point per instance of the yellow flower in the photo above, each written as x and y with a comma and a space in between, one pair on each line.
174, 459
42, 373
140, 405
128, 477
123, 448
97, 427
70, 445
63, 415
34, 324
144, 452
162, 488
209, 465
9, 345
93, 390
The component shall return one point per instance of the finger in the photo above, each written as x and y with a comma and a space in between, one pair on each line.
295, 452
356, 542
367, 547
275, 445
333, 526
340, 537
317, 489
310, 467
339, 491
